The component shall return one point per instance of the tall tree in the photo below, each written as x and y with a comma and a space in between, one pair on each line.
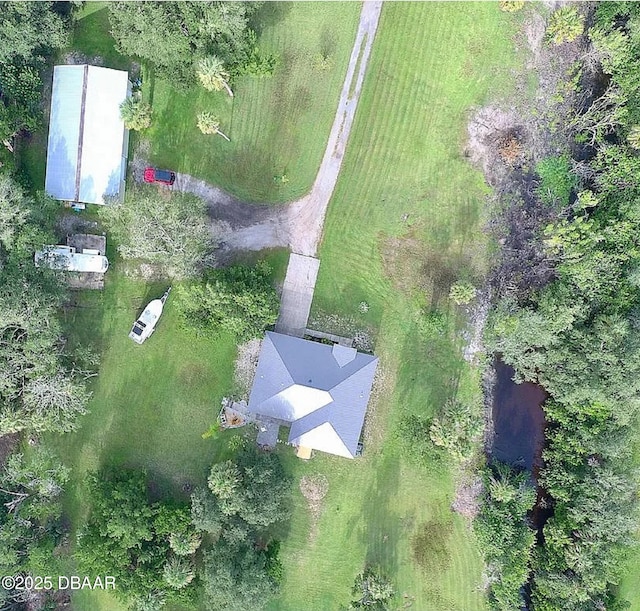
37, 392
169, 34
127, 536
170, 232
236, 578
255, 488
240, 300
29, 31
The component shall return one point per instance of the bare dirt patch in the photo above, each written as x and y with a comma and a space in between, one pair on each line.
245, 367
530, 124
467, 497
70, 222
314, 489
477, 315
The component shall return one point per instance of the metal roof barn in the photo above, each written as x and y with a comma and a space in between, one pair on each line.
88, 143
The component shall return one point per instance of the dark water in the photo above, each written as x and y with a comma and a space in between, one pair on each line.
518, 420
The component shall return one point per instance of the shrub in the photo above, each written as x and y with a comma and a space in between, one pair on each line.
556, 180
239, 300
511, 6
413, 436
565, 25
135, 113
457, 429
462, 293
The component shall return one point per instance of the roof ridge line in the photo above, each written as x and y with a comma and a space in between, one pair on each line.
83, 102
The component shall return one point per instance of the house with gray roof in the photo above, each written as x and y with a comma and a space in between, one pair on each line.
88, 143
320, 391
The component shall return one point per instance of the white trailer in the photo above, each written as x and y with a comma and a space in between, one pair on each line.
67, 258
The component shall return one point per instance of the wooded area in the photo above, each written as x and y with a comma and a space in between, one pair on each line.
577, 336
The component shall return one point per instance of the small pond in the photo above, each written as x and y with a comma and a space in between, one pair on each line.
518, 420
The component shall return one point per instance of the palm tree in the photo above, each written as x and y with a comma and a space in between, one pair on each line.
634, 137
184, 543
212, 74
178, 573
135, 113
209, 124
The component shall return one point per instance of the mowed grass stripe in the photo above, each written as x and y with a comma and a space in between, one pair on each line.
279, 124
404, 156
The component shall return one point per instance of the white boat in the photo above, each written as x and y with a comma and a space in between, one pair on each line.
147, 321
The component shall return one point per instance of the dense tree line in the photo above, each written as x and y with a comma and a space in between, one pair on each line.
505, 534
30, 519
148, 547
245, 498
176, 37
40, 390
579, 337
154, 550
29, 33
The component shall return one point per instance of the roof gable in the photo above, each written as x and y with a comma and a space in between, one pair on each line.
303, 383
324, 438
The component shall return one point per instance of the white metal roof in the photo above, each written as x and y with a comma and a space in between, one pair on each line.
86, 152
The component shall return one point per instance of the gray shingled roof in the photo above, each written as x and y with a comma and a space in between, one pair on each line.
321, 390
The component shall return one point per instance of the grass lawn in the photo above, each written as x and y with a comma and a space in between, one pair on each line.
404, 223
151, 403
279, 125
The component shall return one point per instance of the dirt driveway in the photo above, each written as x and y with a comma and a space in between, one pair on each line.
297, 225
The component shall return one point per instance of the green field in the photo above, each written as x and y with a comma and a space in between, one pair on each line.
431, 63
404, 223
150, 403
279, 125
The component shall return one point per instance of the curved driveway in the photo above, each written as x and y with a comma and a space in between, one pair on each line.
297, 225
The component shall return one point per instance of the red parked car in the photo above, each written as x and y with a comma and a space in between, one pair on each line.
162, 176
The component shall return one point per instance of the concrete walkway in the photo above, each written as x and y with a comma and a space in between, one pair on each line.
297, 295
